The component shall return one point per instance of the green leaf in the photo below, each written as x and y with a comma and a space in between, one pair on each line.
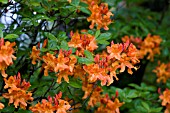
62, 35
64, 45
97, 33
2, 26
1, 34
135, 86
104, 36
44, 50
75, 2
75, 83
168, 84
89, 55
11, 36
4, 1
90, 32
23, 111
8, 109
156, 110
50, 36
103, 42
64, 86
130, 93
145, 105
84, 60
85, 10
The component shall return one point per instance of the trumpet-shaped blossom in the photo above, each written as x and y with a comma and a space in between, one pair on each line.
1, 105
6, 55
162, 71
100, 15
17, 91
35, 54
123, 55
165, 97
51, 105
89, 2
63, 65
109, 106
82, 42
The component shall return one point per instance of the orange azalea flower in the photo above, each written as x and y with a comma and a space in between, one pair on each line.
106, 64
167, 110
72, 62
97, 73
109, 106
115, 51
6, 55
100, 15
123, 55
63, 106
69, 1
50, 63
163, 72
150, 46
79, 72
18, 96
87, 88
51, 105
165, 97
82, 42
63, 74
35, 54
63, 65
137, 41
15, 81
17, 92
1, 106
61, 62
89, 2
75, 41
95, 97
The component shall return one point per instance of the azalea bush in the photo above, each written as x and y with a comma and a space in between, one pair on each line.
80, 56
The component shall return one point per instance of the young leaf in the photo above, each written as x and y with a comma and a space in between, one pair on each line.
104, 36
88, 54
97, 33
145, 105
75, 2
64, 45
84, 60
85, 10
103, 42
75, 83
11, 36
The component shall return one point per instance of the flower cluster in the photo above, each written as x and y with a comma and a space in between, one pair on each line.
82, 42
165, 97
162, 71
107, 105
106, 65
100, 15
6, 55
17, 91
118, 56
149, 47
63, 65
55, 104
